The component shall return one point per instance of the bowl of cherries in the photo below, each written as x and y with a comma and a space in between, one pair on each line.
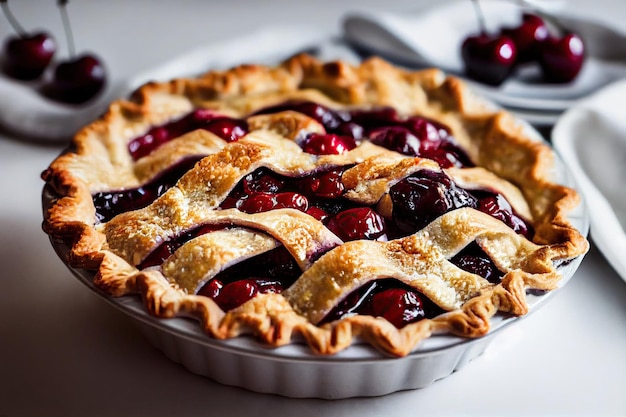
492, 58
40, 85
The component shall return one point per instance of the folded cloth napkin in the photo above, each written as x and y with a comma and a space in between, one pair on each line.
27, 114
591, 139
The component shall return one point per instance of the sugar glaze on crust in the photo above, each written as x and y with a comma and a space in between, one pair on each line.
507, 159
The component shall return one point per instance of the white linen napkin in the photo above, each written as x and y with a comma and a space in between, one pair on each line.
591, 139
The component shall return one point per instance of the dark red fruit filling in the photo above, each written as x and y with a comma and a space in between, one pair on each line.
318, 194
329, 144
417, 200
272, 271
226, 128
414, 136
473, 259
388, 298
357, 223
111, 203
260, 202
424, 196
496, 206
332, 120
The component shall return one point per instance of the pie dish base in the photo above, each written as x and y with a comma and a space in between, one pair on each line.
292, 370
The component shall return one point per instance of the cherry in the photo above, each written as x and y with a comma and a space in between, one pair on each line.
424, 196
430, 133
357, 223
78, 79
488, 58
329, 144
226, 128
325, 184
236, 293
378, 117
262, 202
398, 305
447, 158
262, 181
318, 213
26, 56
278, 264
388, 298
473, 259
561, 58
212, 288
396, 138
527, 37
496, 206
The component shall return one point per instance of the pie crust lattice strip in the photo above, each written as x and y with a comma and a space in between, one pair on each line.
262, 200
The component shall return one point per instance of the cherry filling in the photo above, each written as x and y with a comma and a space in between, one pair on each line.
422, 197
109, 204
413, 136
417, 200
226, 128
270, 272
474, 260
388, 298
318, 194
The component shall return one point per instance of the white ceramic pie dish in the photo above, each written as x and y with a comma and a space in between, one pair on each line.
293, 371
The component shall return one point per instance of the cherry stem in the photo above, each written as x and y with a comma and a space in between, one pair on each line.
480, 16
67, 27
12, 20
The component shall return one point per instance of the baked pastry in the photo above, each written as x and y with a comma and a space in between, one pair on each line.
316, 202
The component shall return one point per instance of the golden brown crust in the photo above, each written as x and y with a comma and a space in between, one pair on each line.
508, 161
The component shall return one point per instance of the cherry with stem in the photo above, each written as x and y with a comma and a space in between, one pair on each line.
488, 58
81, 77
561, 53
26, 55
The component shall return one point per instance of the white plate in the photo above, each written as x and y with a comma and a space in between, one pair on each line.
433, 37
591, 138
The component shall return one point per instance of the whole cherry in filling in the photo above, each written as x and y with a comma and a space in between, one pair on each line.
227, 128
388, 298
424, 196
473, 259
270, 272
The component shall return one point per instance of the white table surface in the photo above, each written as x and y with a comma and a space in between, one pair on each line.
65, 352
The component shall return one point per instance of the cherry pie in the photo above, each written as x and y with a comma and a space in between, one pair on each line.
316, 202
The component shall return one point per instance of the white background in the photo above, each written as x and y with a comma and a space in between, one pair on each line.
64, 352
